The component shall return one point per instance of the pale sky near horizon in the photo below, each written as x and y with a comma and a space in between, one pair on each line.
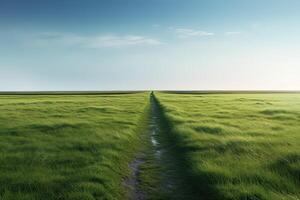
143, 44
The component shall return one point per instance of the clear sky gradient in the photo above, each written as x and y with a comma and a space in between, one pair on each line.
149, 44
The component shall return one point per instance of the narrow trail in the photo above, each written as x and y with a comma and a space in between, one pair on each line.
154, 130
156, 162
133, 181
161, 150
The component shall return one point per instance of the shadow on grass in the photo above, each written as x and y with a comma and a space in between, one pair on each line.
198, 185
288, 166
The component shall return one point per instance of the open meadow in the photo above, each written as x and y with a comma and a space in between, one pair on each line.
67, 146
158, 145
236, 146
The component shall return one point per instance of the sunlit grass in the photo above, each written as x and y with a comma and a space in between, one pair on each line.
67, 147
223, 146
237, 146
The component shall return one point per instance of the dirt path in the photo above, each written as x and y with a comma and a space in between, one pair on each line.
153, 173
133, 181
161, 151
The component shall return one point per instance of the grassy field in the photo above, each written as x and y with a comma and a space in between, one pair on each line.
207, 146
236, 146
68, 146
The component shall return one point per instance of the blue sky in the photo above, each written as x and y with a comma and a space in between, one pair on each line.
143, 44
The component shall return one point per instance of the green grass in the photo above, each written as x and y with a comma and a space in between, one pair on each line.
216, 146
236, 146
68, 146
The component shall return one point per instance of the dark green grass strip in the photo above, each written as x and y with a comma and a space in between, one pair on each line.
160, 177
192, 185
150, 172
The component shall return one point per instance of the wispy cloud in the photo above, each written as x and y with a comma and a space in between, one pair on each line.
186, 33
100, 41
232, 33
120, 41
